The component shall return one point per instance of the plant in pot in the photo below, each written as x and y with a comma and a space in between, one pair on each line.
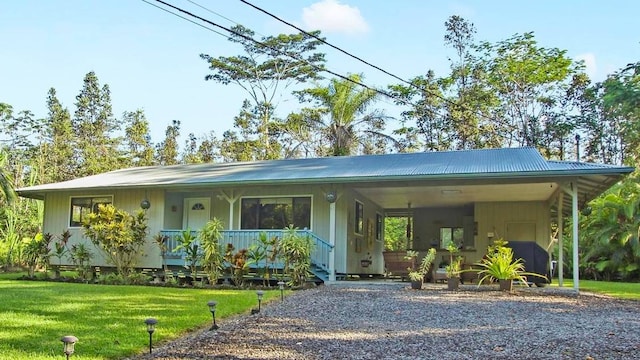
417, 275
454, 267
499, 265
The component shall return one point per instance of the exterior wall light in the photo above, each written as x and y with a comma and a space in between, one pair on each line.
145, 204
151, 327
212, 307
331, 196
69, 344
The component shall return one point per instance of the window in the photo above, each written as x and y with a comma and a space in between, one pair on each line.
455, 234
378, 227
83, 206
276, 213
359, 223
197, 206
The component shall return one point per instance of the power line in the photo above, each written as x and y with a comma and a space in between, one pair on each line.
292, 55
360, 59
184, 18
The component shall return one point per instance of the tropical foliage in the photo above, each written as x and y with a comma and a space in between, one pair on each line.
499, 264
118, 234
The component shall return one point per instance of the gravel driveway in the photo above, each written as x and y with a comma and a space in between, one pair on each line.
354, 320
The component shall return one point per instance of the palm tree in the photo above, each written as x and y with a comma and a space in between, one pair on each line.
6, 182
342, 115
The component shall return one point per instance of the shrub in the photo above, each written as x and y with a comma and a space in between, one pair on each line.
296, 250
118, 234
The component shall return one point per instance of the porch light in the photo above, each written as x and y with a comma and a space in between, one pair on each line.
260, 294
281, 286
145, 204
331, 196
69, 344
151, 327
212, 307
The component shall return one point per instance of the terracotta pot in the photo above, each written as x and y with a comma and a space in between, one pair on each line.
453, 283
506, 285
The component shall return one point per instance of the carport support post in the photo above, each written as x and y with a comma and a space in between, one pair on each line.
560, 241
332, 241
574, 198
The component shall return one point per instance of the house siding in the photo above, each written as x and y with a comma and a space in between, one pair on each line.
495, 217
357, 246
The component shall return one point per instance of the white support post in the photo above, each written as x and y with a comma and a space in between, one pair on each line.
231, 203
560, 240
332, 241
576, 276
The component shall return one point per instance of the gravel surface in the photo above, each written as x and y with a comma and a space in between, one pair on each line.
353, 320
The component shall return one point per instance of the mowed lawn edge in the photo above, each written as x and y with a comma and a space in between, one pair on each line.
108, 320
620, 290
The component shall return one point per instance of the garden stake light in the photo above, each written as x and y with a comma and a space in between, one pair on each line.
212, 307
260, 294
69, 344
281, 286
151, 327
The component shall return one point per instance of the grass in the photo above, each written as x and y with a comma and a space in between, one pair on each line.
621, 290
108, 320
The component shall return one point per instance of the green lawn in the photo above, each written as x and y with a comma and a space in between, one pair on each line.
107, 320
620, 290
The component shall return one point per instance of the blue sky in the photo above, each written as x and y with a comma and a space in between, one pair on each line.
150, 59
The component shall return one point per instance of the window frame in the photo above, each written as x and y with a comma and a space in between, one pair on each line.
452, 230
260, 197
358, 218
70, 207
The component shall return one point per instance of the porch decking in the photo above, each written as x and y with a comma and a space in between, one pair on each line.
244, 239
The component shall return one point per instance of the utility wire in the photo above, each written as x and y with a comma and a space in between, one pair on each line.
292, 55
184, 18
360, 59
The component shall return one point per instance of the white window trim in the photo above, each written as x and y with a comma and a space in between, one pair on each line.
82, 196
239, 210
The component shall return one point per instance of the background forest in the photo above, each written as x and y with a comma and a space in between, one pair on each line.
510, 93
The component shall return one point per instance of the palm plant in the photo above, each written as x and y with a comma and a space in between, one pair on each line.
499, 264
6, 181
187, 241
342, 114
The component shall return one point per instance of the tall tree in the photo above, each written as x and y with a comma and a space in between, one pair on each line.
57, 149
97, 145
6, 182
425, 125
265, 71
528, 79
138, 141
167, 150
345, 112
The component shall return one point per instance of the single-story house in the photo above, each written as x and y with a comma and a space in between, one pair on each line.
470, 197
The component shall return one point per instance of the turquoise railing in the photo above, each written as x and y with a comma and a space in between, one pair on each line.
243, 239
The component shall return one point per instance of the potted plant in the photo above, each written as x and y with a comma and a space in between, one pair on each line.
499, 265
454, 267
417, 275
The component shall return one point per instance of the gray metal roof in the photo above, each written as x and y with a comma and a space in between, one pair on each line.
469, 164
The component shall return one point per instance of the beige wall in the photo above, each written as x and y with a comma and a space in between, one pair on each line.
496, 218
57, 212
358, 247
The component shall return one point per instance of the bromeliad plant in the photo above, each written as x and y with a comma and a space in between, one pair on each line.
187, 242
499, 264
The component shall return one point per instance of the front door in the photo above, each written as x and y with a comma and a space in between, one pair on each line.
197, 212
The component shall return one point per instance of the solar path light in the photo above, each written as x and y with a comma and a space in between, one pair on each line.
212, 307
151, 327
69, 344
281, 286
260, 294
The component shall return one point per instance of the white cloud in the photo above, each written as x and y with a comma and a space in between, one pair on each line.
591, 67
332, 16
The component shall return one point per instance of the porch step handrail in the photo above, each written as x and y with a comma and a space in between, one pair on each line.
243, 239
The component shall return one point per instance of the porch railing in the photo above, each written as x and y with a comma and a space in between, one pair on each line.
243, 239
